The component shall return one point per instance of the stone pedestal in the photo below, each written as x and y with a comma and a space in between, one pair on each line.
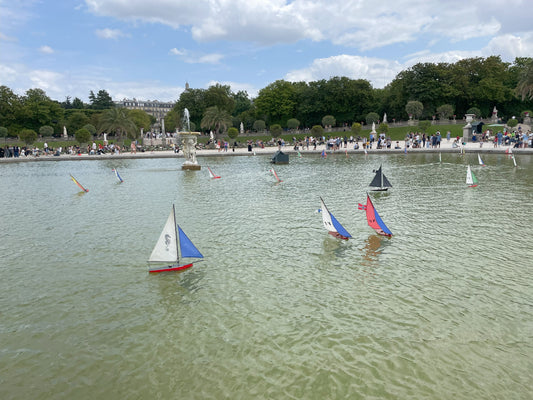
188, 143
469, 117
467, 133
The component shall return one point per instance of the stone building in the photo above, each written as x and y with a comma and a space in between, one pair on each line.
155, 108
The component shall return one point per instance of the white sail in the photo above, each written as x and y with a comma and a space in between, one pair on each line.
166, 248
326, 217
480, 161
469, 180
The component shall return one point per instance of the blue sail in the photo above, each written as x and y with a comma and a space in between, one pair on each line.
340, 229
381, 223
188, 249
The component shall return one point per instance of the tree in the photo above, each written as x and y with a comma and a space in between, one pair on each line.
77, 120
78, 104
424, 125
242, 102
194, 101
141, 119
38, 110
10, 109
116, 120
372, 117
524, 89
28, 136
317, 130
474, 110
293, 123
101, 101
275, 130
445, 111
328, 121
356, 128
217, 119
3, 132
414, 108
219, 96
259, 125
91, 128
82, 136
46, 130
276, 102
512, 122
383, 127
233, 132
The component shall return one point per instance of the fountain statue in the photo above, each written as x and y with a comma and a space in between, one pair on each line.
188, 141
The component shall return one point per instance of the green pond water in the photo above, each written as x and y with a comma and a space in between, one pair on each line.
278, 309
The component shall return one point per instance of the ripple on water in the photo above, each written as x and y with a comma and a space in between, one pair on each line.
278, 308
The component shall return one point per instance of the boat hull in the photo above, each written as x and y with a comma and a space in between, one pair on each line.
171, 268
379, 190
338, 235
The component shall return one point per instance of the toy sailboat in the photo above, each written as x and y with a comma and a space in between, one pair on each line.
373, 218
331, 224
118, 175
79, 184
480, 161
380, 181
275, 175
471, 179
212, 175
171, 243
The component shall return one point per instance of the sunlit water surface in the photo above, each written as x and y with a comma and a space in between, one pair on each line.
279, 308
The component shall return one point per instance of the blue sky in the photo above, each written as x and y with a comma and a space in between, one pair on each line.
149, 49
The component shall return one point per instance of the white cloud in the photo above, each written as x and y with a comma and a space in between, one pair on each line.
510, 46
236, 87
46, 50
178, 52
194, 58
107, 33
362, 24
378, 71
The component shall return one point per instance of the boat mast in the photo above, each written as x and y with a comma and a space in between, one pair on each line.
176, 233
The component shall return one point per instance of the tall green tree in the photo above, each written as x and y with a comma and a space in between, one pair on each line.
194, 101
78, 104
3, 132
524, 88
76, 121
10, 109
242, 102
38, 110
117, 121
101, 101
276, 103
219, 96
216, 119
141, 119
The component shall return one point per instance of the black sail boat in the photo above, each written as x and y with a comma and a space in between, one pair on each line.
380, 181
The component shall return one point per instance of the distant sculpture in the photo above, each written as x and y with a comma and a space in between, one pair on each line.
385, 118
373, 128
189, 140
494, 115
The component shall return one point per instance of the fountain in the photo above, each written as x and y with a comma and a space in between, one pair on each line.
188, 141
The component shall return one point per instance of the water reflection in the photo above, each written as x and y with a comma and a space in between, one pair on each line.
371, 250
